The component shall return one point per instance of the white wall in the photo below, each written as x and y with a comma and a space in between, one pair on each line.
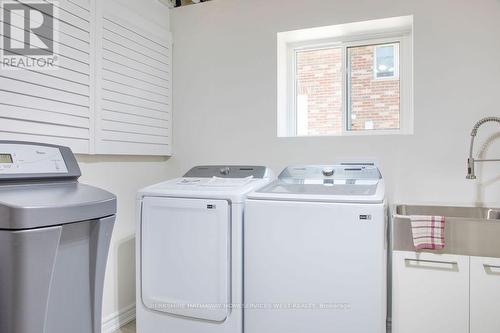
124, 175
225, 92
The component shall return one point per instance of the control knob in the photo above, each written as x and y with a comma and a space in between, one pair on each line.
224, 171
328, 172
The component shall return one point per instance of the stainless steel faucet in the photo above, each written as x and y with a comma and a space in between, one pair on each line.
471, 161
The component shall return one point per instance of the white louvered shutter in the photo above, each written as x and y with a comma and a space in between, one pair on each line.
134, 92
53, 106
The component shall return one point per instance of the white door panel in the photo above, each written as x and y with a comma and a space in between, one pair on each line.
485, 295
304, 256
185, 257
430, 293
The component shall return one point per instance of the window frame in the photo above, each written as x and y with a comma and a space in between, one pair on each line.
287, 91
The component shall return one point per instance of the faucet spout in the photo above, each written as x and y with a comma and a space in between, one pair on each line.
471, 161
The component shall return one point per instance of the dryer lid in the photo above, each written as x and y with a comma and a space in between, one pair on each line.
216, 182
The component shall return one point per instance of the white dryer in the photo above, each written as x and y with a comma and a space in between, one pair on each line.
315, 252
189, 250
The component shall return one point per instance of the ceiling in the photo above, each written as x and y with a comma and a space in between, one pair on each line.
179, 3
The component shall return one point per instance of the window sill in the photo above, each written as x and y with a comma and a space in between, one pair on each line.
354, 134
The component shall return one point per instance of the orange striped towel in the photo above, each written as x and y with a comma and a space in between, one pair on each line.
428, 232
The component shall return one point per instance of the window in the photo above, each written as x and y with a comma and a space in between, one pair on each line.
345, 80
386, 59
373, 88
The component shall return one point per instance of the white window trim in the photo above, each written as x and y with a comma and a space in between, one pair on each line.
287, 50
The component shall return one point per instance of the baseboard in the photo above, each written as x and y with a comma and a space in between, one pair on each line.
118, 319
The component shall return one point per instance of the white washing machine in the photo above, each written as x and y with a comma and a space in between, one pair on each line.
189, 250
315, 252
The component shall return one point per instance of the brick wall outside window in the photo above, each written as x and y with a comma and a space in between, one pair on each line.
375, 102
319, 91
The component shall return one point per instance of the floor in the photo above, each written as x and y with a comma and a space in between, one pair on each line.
129, 328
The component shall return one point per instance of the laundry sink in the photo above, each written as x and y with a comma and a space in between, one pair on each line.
473, 231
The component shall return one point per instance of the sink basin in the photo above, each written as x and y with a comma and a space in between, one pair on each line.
473, 231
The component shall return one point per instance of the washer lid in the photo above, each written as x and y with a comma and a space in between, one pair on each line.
335, 183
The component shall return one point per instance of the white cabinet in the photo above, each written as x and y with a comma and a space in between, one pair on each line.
430, 293
484, 295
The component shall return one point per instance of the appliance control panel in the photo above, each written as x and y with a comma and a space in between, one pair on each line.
16, 158
228, 171
348, 173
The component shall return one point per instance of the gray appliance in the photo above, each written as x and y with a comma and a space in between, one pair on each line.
54, 240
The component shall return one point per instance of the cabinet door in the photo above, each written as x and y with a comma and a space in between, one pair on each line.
430, 293
134, 76
485, 295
